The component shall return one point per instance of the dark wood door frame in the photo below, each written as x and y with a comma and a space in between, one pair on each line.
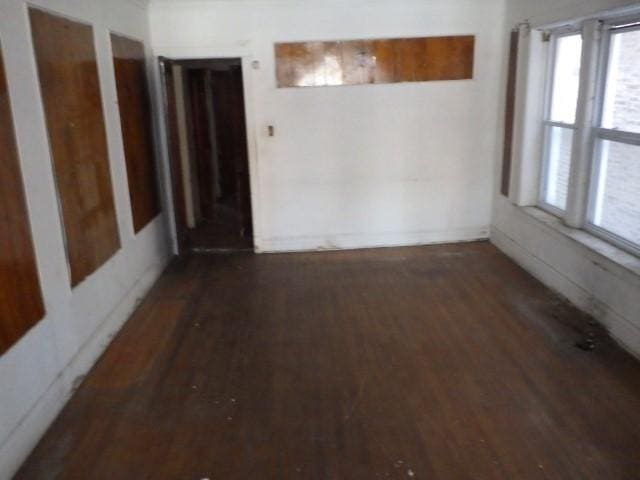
167, 83
173, 151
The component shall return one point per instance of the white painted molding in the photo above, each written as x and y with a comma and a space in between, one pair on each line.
373, 240
621, 329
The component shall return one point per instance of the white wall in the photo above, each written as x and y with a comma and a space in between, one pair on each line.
545, 12
596, 277
355, 166
38, 374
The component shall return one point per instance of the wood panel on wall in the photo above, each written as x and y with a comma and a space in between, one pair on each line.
360, 62
21, 305
135, 118
509, 115
70, 89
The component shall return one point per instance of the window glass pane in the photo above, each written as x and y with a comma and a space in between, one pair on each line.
556, 182
622, 96
566, 79
617, 203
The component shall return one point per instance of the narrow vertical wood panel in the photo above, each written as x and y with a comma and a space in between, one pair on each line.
376, 61
70, 89
385, 64
424, 63
407, 57
304, 63
350, 70
333, 66
509, 114
464, 54
135, 119
21, 305
358, 62
284, 72
318, 70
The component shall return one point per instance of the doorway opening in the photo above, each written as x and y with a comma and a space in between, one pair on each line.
208, 154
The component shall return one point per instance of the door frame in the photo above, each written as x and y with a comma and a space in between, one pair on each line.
211, 53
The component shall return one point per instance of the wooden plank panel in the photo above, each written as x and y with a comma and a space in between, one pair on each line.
407, 57
303, 64
135, 118
21, 305
376, 61
333, 65
304, 61
447, 58
509, 114
358, 62
385, 65
70, 88
425, 63
284, 74
350, 69
318, 69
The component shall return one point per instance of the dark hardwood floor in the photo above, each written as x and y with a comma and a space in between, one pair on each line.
444, 362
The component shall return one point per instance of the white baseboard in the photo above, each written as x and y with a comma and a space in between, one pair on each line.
366, 240
621, 329
36, 422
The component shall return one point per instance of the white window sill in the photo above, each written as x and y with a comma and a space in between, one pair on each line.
602, 248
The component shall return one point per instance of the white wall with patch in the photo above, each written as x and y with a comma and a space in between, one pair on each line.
39, 373
357, 166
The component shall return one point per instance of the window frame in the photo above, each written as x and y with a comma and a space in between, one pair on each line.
596, 134
547, 123
600, 133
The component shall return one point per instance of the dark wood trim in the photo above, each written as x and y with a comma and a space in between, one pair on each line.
173, 145
509, 116
359, 62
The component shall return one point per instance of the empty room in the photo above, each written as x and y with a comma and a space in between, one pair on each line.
319, 239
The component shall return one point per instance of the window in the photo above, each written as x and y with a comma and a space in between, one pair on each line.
615, 195
602, 143
560, 119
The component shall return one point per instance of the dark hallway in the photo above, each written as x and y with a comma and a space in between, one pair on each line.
218, 197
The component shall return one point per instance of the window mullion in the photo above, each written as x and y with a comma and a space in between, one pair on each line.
579, 179
618, 136
550, 123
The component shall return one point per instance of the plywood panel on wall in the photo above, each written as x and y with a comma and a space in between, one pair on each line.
135, 118
359, 62
21, 304
70, 88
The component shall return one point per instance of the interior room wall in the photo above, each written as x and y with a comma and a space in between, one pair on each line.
38, 374
358, 166
593, 275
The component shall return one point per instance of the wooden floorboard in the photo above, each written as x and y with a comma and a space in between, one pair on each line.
443, 362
